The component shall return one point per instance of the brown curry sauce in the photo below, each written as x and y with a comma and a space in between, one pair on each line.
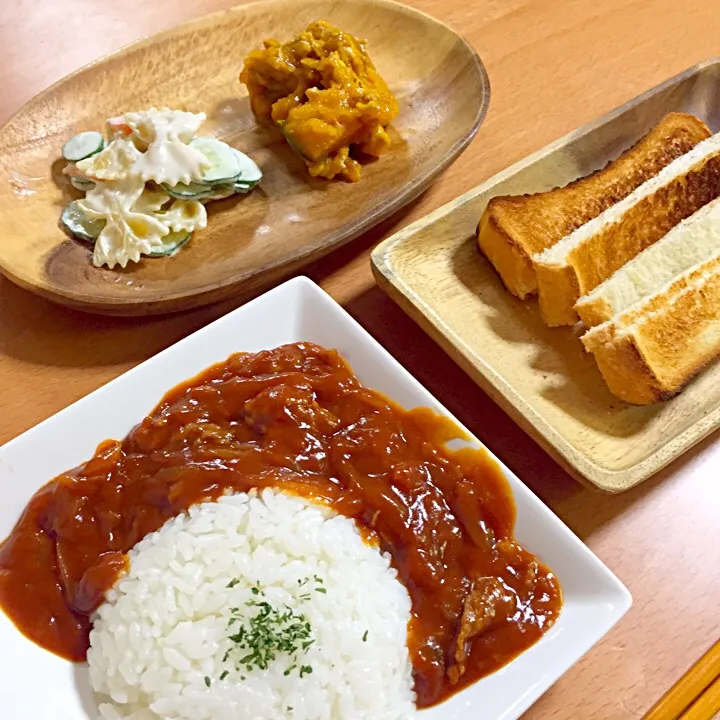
295, 418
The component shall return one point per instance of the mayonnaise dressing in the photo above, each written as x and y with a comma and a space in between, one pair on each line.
150, 145
165, 133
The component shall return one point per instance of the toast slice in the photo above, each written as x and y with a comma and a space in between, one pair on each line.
691, 242
592, 253
514, 229
649, 352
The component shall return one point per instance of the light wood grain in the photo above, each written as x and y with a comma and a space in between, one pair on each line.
554, 66
291, 218
542, 376
696, 681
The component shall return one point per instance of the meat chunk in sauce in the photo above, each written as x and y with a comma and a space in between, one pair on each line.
488, 600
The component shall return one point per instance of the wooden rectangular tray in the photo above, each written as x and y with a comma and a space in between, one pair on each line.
541, 376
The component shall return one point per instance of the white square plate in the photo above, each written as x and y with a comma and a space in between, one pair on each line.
36, 685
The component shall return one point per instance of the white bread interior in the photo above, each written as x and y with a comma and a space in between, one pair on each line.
650, 352
691, 242
558, 253
652, 306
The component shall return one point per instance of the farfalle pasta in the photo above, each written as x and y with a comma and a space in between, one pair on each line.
149, 125
184, 215
128, 232
114, 162
166, 134
145, 187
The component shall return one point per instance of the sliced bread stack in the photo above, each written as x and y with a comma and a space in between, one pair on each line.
515, 230
581, 261
656, 322
641, 272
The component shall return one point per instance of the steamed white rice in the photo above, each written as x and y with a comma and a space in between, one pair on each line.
158, 642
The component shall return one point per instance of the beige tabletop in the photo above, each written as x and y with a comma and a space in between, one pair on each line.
554, 65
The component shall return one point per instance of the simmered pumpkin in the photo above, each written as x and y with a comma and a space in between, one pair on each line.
323, 92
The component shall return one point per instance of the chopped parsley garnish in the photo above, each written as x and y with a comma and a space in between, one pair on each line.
365, 634
207, 681
224, 674
260, 638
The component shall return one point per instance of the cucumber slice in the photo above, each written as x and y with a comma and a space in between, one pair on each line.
83, 145
224, 163
220, 192
249, 171
193, 191
79, 225
243, 187
82, 184
171, 244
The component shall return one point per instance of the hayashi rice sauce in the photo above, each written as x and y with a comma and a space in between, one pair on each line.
323, 92
296, 419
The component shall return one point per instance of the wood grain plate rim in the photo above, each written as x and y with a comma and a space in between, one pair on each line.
574, 461
262, 276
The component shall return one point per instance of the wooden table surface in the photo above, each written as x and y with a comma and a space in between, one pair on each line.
554, 65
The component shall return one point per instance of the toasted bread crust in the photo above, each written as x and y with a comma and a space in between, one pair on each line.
598, 257
514, 228
654, 305
671, 344
627, 374
512, 264
594, 312
557, 305
689, 245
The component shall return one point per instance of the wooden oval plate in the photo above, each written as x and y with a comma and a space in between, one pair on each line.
250, 240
